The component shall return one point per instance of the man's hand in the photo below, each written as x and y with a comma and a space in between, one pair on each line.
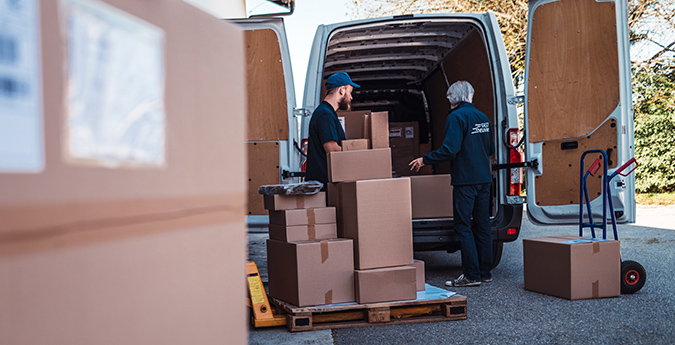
331, 146
416, 164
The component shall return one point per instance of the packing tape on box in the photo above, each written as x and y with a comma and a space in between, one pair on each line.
328, 297
311, 233
324, 251
596, 289
596, 247
300, 202
311, 216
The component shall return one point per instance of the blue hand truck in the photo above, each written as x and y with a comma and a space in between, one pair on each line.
633, 275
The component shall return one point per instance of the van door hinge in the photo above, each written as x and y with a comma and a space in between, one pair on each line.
301, 112
515, 100
534, 164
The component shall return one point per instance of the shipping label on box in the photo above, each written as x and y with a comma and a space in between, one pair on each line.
359, 165
376, 214
572, 267
311, 273
302, 232
385, 284
431, 196
290, 202
309, 216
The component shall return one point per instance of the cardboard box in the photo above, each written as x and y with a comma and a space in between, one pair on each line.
572, 267
105, 251
385, 284
354, 123
379, 130
421, 278
376, 214
292, 202
404, 143
311, 273
355, 144
431, 196
307, 216
359, 165
302, 232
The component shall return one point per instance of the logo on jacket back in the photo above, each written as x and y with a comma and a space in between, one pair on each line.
481, 128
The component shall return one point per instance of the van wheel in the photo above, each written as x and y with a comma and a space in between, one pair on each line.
633, 277
497, 248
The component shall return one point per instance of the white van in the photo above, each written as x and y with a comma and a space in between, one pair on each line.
577, 98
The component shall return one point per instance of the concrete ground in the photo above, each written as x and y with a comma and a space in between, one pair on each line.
503, 312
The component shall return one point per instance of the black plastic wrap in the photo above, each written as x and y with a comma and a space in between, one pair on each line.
304, 188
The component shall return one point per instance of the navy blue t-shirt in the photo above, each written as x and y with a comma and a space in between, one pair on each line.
468, 144
323, 127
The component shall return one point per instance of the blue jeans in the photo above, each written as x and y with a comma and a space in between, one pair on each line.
475, 241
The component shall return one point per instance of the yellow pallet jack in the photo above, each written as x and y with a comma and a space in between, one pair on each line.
264, 315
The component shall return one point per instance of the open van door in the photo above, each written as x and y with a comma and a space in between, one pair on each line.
577, 98
272, 135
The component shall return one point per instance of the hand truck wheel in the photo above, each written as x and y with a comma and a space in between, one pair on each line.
633, 277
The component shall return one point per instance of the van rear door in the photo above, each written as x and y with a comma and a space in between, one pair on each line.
272, 128
577, 98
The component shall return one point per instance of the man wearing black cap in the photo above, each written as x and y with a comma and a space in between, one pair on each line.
325, 131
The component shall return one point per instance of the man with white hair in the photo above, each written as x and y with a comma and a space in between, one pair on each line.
468, 145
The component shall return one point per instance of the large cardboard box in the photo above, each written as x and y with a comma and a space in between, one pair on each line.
431, 196
302, 232
572, 267
311, 273
421, 277
359, 165
123, 248
366, 125
307, 216
376, 214
385, 284
279, 202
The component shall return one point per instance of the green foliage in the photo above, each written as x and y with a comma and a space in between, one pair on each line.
654, 107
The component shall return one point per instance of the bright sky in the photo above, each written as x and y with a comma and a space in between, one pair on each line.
300, 30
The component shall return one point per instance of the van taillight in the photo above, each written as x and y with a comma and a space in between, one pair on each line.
515, 156
303, 158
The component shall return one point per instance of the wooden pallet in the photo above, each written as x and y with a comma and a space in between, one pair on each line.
362, 315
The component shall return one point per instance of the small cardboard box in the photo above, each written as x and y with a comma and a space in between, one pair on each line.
431, 196
308, 216
376, 214
355, 144
311, 273
359, 165
572, 267
367, 125
385, 284
291, 202
302, 232
419, 267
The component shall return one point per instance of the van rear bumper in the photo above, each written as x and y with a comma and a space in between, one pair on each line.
439, 234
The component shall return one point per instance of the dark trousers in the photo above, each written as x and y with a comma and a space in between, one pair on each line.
475, 241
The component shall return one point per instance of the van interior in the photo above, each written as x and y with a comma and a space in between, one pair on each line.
405, 68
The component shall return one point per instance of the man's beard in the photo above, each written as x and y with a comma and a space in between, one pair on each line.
343, 104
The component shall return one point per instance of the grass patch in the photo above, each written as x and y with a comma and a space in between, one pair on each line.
655, 198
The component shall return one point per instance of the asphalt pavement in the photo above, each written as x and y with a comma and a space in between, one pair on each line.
502, 312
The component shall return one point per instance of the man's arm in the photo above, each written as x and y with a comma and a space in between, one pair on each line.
331, 146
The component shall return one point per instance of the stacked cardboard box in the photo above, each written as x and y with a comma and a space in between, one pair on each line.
404, 143
307, 264
374, 210
431, 196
